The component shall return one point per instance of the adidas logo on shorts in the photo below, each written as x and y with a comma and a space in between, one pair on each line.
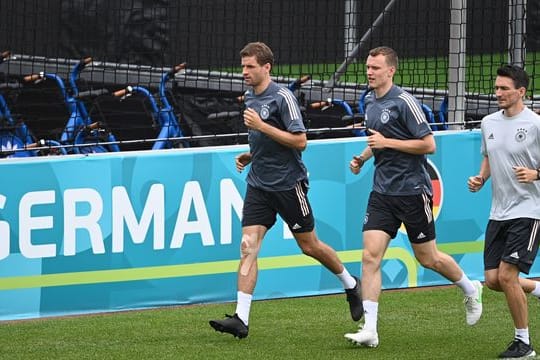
296, 227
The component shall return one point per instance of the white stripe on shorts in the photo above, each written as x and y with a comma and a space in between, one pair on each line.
533, 234
427, 208
301, 199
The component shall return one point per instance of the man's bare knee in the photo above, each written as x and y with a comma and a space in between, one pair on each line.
249, 250
309, 243
432, 263
493, 285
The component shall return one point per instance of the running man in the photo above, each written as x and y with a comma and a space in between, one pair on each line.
277, 183
399, 140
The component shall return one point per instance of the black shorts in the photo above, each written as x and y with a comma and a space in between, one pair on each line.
388, 212
261, 207
513, 241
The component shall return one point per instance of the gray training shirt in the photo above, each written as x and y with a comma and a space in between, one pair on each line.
507, 142
398, 115
275, 167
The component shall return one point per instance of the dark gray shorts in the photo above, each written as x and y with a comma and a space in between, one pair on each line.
387, 212
261, 208
513, 241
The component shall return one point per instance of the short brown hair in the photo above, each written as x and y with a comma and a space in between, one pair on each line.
260, 50
516, 73
390, 55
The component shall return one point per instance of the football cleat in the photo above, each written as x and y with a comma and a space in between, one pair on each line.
518, 349
364, 337
232, 325
473, 304
354, 297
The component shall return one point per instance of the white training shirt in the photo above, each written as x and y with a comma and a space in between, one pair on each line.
512, 141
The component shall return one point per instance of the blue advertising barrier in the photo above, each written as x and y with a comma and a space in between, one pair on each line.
107, 232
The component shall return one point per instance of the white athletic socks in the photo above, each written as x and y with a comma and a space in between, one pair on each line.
371, 310
466, 285
243, 306
346, 279
536, 291
523, 335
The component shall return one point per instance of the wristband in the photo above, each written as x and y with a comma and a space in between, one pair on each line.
481, 178
361, 161
538, 174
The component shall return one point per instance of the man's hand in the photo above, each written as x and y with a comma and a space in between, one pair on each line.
356, 164
252, 119
525, 175
242, 160
475, 183
376, 140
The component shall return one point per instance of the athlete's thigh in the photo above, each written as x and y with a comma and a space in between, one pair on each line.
374, 244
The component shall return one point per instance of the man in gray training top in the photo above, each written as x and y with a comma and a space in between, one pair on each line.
399, 140
276, 184
511, 149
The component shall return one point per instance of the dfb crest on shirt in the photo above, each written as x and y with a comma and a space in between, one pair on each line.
265, 112
385, 116
521, 135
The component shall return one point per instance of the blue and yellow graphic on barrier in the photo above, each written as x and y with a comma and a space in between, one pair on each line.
107, 232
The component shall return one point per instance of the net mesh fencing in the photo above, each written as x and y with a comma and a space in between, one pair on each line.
449, 51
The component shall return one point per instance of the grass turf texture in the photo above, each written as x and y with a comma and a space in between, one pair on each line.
422, 324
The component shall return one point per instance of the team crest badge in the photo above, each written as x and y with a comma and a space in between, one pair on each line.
385, 116
265, 112
521, 135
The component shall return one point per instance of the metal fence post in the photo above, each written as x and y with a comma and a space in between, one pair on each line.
457, 62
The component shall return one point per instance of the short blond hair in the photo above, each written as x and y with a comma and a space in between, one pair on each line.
389, 54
